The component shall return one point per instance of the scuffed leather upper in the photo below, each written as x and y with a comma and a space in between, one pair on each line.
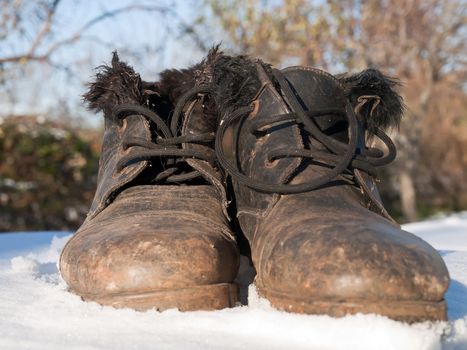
152, 238
316, 90
109, 179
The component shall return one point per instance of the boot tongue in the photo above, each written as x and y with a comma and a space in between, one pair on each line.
317, 90
197, 120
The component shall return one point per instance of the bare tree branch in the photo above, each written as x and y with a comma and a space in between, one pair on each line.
32, 55
45, 28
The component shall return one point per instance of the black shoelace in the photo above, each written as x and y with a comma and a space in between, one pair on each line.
345, 156
168, 143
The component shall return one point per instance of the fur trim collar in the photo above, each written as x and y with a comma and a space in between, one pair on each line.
236, 81
113, 85
388, 113
236, 84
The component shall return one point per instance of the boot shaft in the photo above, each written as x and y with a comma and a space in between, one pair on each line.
155, 133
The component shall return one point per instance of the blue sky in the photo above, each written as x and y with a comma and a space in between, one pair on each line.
136, 35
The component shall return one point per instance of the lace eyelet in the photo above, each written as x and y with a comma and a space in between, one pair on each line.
118, 171
271, 163
122, 126
254, 109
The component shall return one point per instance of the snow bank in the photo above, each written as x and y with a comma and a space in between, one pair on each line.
444, 233
36, 311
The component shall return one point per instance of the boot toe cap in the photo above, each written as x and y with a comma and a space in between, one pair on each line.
362, 261
145, 253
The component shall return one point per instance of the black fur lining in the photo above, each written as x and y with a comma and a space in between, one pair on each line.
388, 113
114, 85
236, 81
234, 77
118, 82
175, 82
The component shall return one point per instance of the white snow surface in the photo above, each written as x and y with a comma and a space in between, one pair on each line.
37, 312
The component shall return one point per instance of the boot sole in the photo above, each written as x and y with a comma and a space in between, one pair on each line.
405, 311
209, 297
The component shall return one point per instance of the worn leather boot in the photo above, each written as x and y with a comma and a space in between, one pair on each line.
156, 235
295, 145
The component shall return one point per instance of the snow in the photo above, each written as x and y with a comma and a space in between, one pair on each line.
444, 233
36, 311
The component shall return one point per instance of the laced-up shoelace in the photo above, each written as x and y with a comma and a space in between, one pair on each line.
346, 156
167, 144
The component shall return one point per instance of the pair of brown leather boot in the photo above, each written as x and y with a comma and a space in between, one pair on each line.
293, 145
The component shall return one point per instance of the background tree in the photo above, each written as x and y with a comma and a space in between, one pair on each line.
47, 174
